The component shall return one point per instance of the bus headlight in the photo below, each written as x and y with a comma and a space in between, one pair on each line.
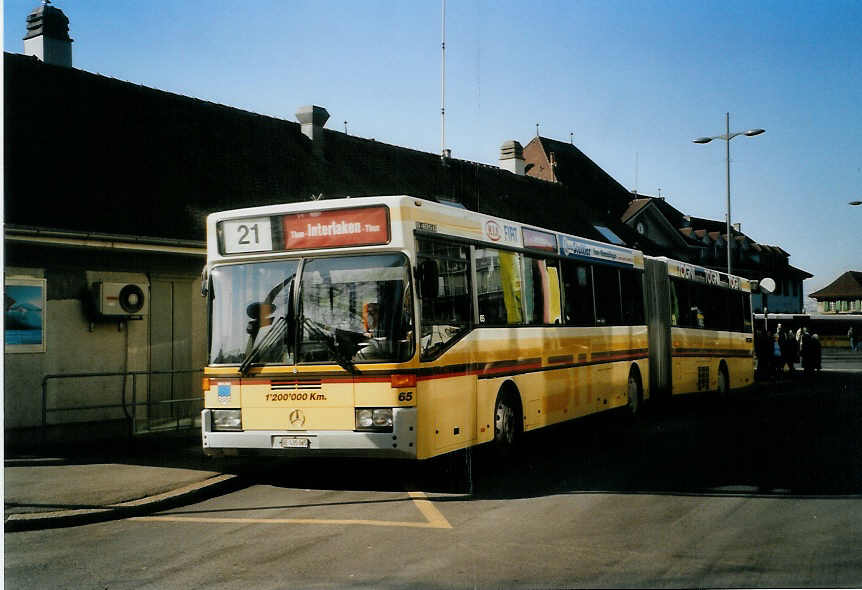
374, 419
227, 419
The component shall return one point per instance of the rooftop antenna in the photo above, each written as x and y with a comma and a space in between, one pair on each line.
443, 83
537, 130
637, 167
345, 128
572, 137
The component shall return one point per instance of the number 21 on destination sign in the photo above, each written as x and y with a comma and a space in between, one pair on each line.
247, 235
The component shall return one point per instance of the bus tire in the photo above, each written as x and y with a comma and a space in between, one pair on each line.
508, 420
723, 380
635, 392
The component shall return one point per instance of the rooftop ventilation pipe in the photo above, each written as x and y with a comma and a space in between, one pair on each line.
313, 118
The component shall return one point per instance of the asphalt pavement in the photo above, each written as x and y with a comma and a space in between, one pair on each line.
95, 483
158, 471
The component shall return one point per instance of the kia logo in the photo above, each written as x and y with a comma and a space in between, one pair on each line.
493, 230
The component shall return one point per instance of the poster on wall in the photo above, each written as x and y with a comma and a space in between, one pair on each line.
25, 315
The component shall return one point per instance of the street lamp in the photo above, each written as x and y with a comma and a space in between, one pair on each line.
726, 138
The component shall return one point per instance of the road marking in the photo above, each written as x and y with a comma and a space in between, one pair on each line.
434, 519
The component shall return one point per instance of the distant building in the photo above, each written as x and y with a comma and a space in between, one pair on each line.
843, 295
704, 242
660, 228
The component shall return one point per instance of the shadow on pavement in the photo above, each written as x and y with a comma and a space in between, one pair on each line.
796, 437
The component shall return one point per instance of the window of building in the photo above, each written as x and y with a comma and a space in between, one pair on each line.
609, 235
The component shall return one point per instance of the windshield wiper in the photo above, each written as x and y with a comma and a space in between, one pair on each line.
334, 344
276, 330
275, 334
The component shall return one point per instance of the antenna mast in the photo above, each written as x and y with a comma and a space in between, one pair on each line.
443, 84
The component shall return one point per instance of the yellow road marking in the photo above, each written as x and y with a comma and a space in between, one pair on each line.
434, 519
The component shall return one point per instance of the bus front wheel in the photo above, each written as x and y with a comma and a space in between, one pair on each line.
507, 421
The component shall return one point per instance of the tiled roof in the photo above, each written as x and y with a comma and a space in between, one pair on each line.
86, 152
848, 285
699, 233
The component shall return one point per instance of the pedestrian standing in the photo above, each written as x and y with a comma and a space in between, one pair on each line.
852, 336
806, 353
817, 352
777, 364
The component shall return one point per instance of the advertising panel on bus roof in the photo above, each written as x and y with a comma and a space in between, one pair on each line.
699, 274
539, 240
577, 248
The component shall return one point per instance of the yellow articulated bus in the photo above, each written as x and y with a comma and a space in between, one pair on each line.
399, 327
700, 328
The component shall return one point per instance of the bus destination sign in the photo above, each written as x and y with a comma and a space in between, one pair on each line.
363, 226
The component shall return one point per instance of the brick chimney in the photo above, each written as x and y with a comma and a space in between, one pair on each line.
47, 35
313, 118
512, 157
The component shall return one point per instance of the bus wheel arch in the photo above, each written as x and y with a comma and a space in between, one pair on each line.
508, 417
635, 391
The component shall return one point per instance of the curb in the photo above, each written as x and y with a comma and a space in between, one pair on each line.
66, 518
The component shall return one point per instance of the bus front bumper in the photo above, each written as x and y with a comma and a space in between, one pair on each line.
400, 443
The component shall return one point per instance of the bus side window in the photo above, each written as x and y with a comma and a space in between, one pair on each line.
541, 291
685, 310
746, 313
446, 315
578, 292
608, 303
498, 279
631, 285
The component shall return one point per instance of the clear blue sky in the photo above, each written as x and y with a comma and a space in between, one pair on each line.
634, 81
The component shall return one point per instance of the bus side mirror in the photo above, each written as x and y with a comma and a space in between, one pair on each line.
429, 278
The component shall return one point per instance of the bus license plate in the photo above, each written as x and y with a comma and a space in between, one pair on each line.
292, 442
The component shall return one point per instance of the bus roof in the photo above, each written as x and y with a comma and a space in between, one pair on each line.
316, 225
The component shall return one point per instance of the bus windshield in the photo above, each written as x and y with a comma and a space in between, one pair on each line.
356, 309
350, 309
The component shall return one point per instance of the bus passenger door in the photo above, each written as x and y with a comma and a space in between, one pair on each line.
447, 414
446, 393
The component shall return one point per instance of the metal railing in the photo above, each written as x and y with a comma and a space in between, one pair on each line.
129, 408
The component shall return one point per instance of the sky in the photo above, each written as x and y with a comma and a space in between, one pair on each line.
633, 81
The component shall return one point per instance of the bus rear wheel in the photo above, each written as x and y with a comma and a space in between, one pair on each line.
723, 381
634, 393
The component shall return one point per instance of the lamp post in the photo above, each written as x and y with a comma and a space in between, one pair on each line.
726, 138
